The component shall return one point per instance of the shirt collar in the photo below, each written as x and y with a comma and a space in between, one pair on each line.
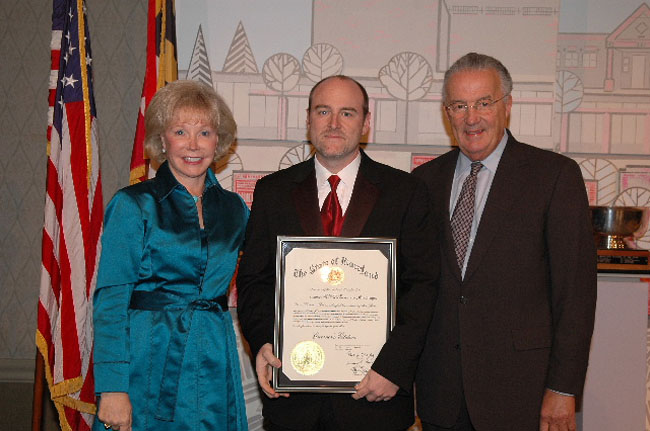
347, 175
165, 182
491, 162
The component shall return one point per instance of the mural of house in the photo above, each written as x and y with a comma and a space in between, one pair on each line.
611, 77
603, 109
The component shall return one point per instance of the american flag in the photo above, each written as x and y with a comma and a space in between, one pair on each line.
161, 69
73, 221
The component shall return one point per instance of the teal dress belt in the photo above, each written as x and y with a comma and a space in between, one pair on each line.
169, 301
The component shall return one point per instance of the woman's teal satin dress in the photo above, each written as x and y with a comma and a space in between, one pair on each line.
163, 332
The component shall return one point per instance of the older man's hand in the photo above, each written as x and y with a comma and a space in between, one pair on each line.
375, 387
558, 412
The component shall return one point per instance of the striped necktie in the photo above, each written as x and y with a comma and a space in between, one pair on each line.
461, 220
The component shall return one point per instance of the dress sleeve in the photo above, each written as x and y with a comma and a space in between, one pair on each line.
121, 256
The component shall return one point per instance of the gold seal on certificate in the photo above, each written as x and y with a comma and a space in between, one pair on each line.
307, 358
332, 275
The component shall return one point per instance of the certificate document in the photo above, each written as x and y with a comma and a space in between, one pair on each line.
335, 307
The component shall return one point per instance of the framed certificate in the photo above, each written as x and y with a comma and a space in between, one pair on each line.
334, 310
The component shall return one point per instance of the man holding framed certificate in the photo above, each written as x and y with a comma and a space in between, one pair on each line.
340, 192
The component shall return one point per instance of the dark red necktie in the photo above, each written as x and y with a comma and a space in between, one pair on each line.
331, 214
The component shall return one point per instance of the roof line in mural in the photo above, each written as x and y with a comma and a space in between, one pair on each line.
643, 9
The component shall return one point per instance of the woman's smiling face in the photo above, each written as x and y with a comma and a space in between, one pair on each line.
190, 143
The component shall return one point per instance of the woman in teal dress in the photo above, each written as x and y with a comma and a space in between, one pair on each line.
165, 355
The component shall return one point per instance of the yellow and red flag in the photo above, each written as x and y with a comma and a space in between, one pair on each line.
161, 68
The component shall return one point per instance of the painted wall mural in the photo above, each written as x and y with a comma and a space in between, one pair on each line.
581, 72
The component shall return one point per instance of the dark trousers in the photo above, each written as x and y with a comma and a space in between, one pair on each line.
322, 426
326, 420
462, 424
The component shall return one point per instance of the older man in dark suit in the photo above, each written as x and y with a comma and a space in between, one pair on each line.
375, 201
509, 341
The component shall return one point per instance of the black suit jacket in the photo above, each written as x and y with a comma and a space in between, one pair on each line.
385, 202
522, 318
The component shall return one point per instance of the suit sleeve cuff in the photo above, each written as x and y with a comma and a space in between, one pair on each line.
561, 393
404, 382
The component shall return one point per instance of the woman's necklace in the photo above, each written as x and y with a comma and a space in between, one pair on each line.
197, 198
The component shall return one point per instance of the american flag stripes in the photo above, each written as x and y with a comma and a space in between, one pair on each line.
73, 221
161, 68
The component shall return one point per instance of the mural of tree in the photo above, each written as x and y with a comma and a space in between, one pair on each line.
322, 60
297, 154
568, 97
636, 197
240, 58
568, 92
633, 197
199, 69
224, 167
281, 73
408, 77
605, 173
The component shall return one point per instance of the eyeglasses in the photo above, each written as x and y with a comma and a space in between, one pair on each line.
459, 109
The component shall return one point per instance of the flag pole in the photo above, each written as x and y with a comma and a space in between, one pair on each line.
37, 399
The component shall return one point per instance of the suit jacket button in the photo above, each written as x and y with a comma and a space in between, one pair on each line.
463, 300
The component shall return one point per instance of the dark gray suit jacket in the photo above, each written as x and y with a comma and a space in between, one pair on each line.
522, 318
385, 202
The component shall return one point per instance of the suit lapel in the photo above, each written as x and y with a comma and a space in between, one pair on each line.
364, 197
305, 201
500, 200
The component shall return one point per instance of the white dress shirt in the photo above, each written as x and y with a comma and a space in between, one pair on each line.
348, 176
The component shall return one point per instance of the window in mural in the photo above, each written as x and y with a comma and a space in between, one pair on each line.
571, 59
589, 59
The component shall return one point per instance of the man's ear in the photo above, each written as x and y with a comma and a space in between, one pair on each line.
366, 125
308, 124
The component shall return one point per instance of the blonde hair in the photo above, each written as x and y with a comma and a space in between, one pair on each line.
193, 96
